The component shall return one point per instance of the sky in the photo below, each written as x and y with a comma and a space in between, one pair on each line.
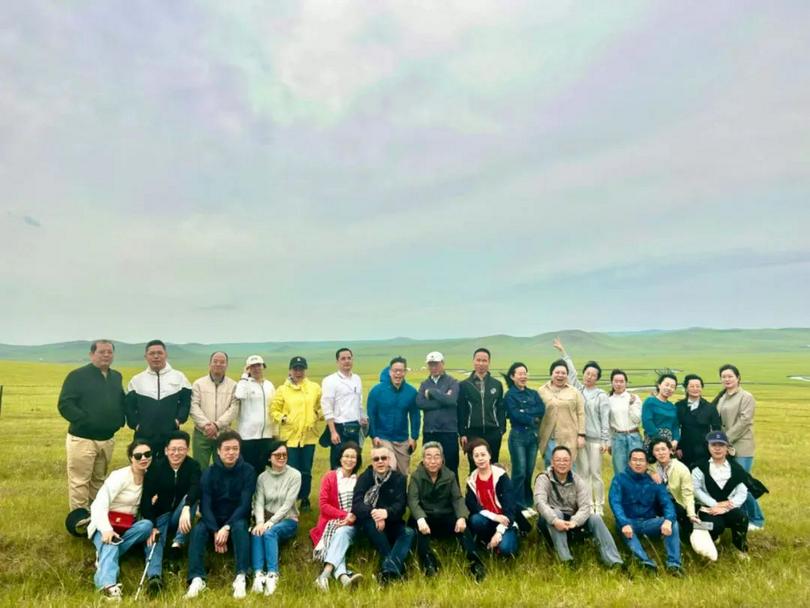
302, 170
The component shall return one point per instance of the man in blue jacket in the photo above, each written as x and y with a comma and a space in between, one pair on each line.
226, 492
438, 398
391, 405
637, 503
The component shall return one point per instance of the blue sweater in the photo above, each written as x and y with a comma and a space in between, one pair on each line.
524, 408
389, 409
226, 494
636, 496
657, 414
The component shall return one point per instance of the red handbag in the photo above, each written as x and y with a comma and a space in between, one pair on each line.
121, 522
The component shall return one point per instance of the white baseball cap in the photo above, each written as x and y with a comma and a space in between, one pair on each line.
253, 360
434, 357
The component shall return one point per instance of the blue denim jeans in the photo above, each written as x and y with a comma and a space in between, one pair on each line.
596, 528
264, 548
620, 446
336, 552
199, 538
167, 524
108, 555
392, 544
651, 528
751, 505
523, 453
483, 528
301, 460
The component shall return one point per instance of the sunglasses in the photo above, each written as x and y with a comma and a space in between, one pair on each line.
379, 458
282, 456
141, 455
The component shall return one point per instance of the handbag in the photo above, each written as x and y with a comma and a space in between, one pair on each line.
121, 522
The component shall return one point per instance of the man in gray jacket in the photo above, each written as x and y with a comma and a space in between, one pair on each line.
563, 500
438, 398
213, 408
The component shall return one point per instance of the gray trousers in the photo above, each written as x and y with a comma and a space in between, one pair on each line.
597, 528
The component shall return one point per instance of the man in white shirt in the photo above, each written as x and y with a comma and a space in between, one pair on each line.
342, 404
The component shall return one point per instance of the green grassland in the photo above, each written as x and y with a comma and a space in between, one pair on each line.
41, 565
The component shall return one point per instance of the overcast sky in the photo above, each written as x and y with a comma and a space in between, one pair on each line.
245, 171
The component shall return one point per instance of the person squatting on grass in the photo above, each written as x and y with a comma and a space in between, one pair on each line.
213, 407
490, 500
275, 516
158, 399
171, 492
379, 503
226, 491
112, 527
335, 530
438, 511
563, 500
92, 401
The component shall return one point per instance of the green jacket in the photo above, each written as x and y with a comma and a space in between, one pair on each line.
426, 498
93, 404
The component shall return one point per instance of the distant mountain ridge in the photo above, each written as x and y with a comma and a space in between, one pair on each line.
592, 344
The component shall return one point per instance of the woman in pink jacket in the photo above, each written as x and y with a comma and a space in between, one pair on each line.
333, 534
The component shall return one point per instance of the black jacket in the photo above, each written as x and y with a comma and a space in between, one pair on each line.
169, 487
480, 405
93, 404
226, 494
393, 496
694, 428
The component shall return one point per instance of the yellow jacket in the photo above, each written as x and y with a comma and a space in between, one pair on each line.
564, 417
296, 408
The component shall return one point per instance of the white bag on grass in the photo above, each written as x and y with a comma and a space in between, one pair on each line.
703, 545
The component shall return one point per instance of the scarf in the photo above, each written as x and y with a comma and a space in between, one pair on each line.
373, 494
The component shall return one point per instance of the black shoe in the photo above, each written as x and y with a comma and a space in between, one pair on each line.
675, 571
649, 568
386, 578
570, 564
305, 506
431, 565
154, 586
478, 571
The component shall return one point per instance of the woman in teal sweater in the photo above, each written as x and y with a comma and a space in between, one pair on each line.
659, 417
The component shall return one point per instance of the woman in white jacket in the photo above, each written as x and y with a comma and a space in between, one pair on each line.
112, 527
254, 423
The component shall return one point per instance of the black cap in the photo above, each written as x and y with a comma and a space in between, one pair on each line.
717, 437
298, 362
76, 521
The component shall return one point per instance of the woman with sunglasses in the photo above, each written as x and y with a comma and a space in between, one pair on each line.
333, 534
112, 527
275, 515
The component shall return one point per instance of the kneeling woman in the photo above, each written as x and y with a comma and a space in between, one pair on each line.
491, 502
333, 534
113, 528
276, 517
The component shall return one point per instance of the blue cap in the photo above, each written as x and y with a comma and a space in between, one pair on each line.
717, 437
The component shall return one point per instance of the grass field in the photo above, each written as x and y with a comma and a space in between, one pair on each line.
40, 564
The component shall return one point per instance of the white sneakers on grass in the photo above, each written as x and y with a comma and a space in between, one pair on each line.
239, 587
112, 593
258, 582
196, 587
322, 582
270, 583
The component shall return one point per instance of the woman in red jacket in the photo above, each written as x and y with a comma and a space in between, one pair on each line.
335, 530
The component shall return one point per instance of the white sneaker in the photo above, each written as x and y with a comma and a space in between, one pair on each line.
258, 582
239, 584
112, 593
754, 528
196, 587
529, 513
270, 583
350, 579
322, 582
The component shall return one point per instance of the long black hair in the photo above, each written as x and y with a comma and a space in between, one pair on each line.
734, 370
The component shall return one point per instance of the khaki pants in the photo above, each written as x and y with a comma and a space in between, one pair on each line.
87, 464
400, 451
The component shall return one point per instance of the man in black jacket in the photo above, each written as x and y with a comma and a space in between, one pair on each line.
379, 503
438, 398
171, 490
92, 401
481, 410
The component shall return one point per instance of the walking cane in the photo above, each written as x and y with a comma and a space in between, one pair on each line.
146, 566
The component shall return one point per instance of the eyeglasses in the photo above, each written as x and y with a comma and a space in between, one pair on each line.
177, 450
141, 455
281, 456
379, 458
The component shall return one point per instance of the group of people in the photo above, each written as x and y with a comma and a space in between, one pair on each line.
245, 486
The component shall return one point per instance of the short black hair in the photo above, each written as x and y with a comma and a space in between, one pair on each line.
557, 363
619, 372
351, 445
481, 349
398, 359
228, 435
477, 442
634, 450
343, 349
729, 366
594, 365
134, 444
95, 344
152, 343
560, 448
178, 434
218, 352
666, 375
689, 377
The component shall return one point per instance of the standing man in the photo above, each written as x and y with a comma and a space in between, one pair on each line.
92, 401
226, 491
391, 405
342, 405
213, 407
438, 398
481, 411
158, 399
